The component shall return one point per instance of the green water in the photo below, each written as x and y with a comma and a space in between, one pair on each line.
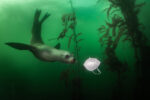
24, 77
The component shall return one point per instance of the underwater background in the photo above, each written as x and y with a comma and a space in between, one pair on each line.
114, 31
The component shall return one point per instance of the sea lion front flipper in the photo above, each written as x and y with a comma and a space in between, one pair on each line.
57, 46
20, 46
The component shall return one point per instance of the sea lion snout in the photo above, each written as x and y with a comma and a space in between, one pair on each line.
73, 60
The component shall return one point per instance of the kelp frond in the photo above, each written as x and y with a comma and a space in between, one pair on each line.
102, 29
80, 40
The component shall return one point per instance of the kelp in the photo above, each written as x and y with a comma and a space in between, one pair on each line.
79, 34
77, 89
117, 23
130, 11
80, 40
65, 77
69, 21
112, 32
101, 39
101, 29
71, 38
109, 10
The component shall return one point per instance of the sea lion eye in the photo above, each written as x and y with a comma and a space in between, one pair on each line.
67, 56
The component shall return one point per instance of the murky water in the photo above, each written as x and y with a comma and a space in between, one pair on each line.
24, 77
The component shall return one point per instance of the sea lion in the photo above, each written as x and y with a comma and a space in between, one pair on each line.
37, 46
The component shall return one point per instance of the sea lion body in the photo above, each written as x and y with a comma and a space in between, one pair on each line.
41, 50
51, 54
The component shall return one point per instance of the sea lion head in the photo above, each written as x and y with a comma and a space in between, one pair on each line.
53, 54
67, 57
63, 56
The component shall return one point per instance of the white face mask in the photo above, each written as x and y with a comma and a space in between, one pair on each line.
92, 64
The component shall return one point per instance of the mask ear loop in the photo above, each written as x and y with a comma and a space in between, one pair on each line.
98, 72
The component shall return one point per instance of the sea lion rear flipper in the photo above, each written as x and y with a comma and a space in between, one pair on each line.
37, 25
20, 46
